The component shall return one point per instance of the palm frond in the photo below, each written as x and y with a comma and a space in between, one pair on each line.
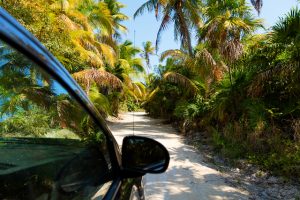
205, 55
137, 65
164, 24
100, 101
174, 53
142, 87
287, 29
108, 53
262, 79
71, 25
124, 64
232, 50
101, 17
152, 94
150, 5
182, 80
139, 90
258, 4
98, 76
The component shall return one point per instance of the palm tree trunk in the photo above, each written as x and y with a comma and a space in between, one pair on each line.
88, 87
230, 75
190, 47
234, 102
184, 29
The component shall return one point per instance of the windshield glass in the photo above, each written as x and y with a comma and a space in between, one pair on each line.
50, 148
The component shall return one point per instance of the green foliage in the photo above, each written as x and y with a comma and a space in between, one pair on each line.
285, 162
246, 86
114, 99
239, 86
84, 35
217, 139
192, 110
34, 122
100, 101
255, 112
132, 105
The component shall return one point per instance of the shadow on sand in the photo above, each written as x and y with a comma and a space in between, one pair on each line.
188, 177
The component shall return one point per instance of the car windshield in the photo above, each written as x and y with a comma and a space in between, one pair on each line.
50, 148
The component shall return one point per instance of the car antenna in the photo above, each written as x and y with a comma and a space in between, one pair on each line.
133, 88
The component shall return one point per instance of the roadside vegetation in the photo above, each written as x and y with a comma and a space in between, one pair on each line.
85, 36
238, 87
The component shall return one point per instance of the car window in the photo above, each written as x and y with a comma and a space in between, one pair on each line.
50, 148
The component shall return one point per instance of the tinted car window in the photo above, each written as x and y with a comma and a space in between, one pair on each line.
50, 148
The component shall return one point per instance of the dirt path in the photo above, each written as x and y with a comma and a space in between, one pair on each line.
188, 177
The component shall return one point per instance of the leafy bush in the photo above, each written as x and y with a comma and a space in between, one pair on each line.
27, 123
242, 88
132, 105
100, 101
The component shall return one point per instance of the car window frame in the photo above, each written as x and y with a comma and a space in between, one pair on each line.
15, 35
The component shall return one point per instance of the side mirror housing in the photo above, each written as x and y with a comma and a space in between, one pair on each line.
141, 155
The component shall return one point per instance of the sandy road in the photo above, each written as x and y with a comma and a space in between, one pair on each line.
187, 177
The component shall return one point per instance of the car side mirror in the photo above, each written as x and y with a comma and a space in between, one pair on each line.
141, 155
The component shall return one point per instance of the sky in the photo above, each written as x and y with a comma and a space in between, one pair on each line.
146, 26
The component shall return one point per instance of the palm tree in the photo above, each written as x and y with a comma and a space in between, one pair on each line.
257, 5
203, 66
91, 15
131, 66
183, 13
278, 56
84, 18
127, 58
118, 17
147, 51
183, 81
150, 5
286, 31
228, 22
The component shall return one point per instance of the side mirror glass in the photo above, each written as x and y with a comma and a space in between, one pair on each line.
143, 155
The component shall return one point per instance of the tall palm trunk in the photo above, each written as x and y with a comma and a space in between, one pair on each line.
184, 28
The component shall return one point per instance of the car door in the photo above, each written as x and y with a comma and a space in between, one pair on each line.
53, 142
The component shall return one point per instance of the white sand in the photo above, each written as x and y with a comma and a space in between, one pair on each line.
187, 177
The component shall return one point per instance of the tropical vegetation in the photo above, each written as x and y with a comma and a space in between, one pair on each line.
86, 38
237, 86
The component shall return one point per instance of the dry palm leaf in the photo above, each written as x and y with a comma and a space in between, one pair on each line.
182, 80
206, 56
174, 53
232, 50
101, 77
258, 84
